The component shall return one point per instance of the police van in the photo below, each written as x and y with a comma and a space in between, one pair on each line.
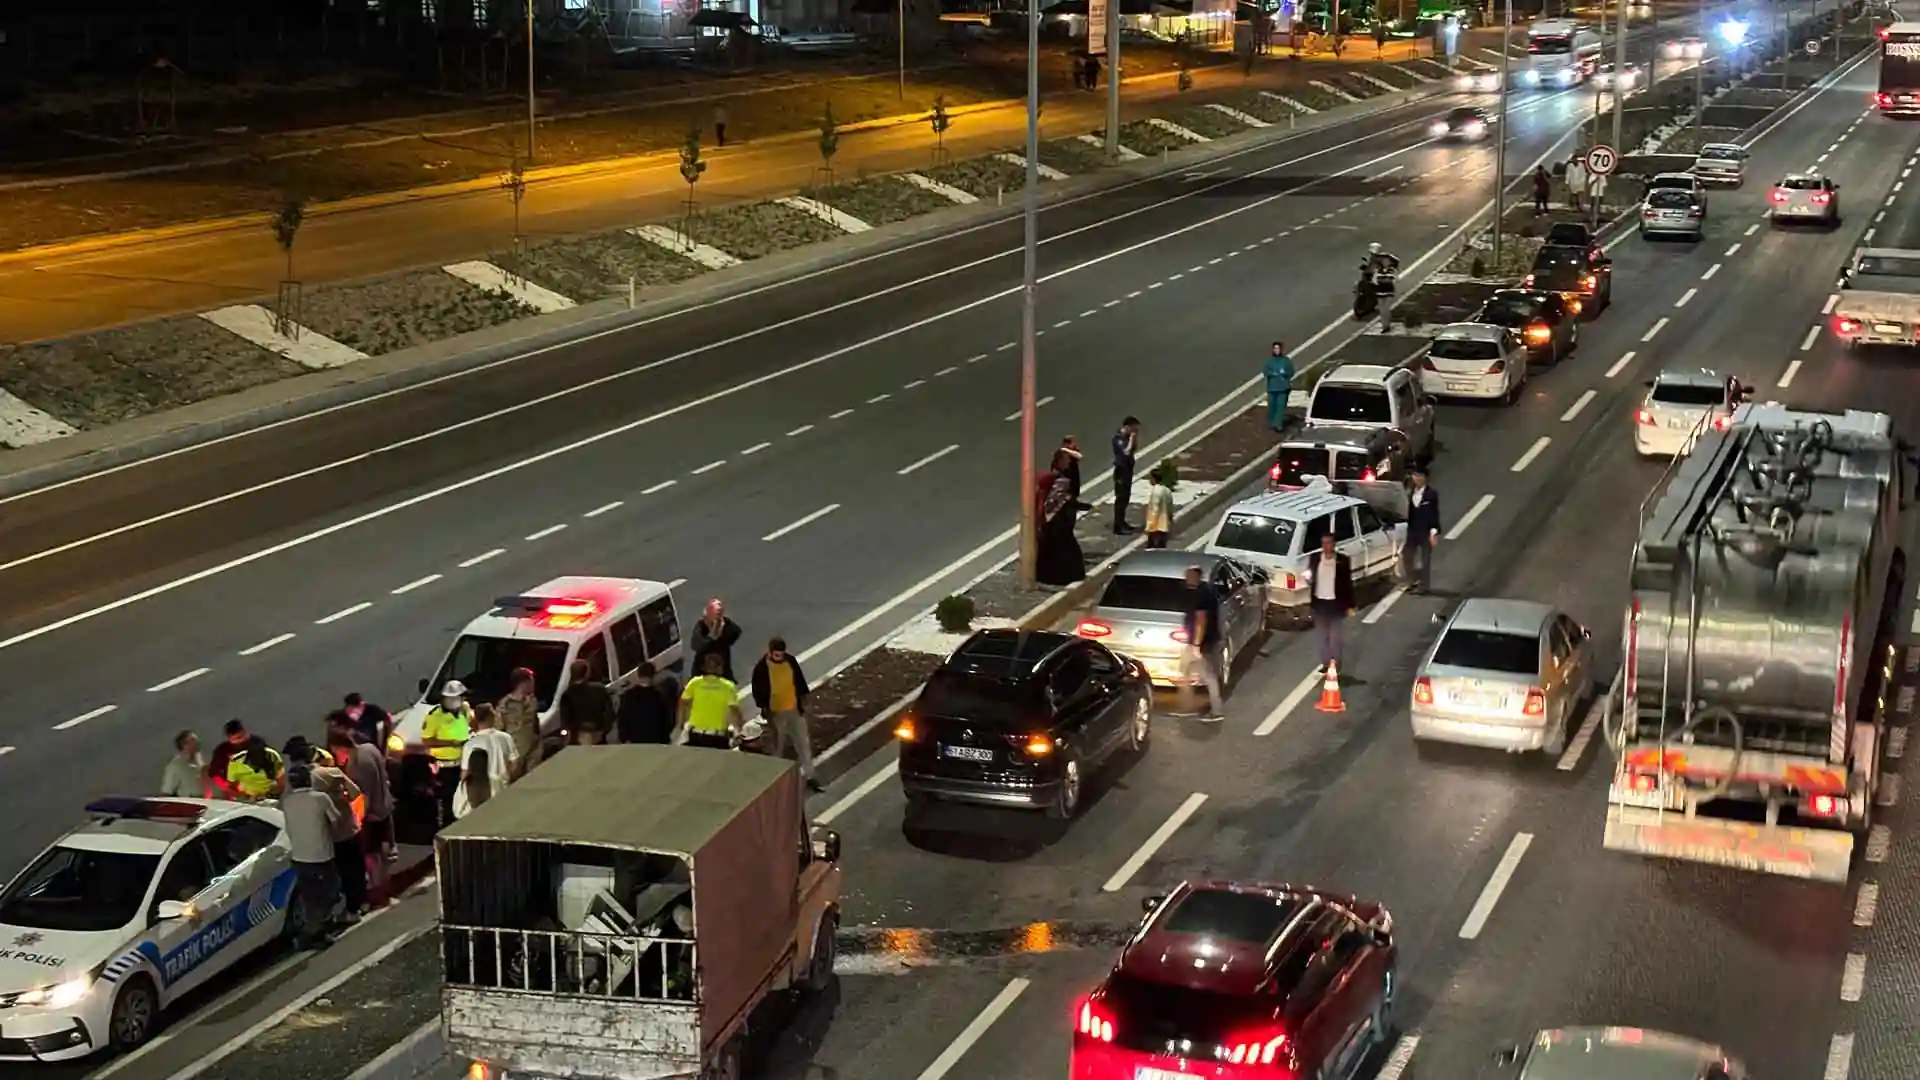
116, 920
611, 623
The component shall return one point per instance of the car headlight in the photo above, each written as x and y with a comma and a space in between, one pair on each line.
1466, 82
1438, 127
1475, 129
1533, 78
60, 995
396, 744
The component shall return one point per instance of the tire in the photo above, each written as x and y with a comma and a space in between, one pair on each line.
826, 944
136, 1013
1140, 728
1072, 783
1556, 743
1383, 1010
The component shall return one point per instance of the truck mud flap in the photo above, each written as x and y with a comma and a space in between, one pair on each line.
1810, 854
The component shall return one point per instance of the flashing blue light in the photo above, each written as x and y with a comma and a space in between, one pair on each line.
1733, 31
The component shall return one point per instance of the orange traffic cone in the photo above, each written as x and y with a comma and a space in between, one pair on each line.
1330, 691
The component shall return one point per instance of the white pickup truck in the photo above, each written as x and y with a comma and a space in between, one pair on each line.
1879, 298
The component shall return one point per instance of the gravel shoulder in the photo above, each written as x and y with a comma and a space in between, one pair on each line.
392, 313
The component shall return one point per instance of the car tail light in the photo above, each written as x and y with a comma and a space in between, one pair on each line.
905, 731
1038, 745
1180, 635
1590, 282
1423, 690
1093, 1022
1538, 334
1367, 477
1722, 422
1883, 32
1527, 282
1643, 783
1883, 99
1536, 701
1644, 416
1821, 198
1496, 367
1427, 365
1847, 326
1273, 473
1649, 213
1826, 806
1574, 307
1778, 195
1093, 628
1261, 1048
1289, 581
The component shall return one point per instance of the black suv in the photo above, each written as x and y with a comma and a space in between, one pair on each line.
1581, 273
1021, 718
1544, 321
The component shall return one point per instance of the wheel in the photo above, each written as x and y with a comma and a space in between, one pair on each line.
1556, 743
136, 1009
826, 943
1383, 1009
1141, 725
1067, 802
1512, 396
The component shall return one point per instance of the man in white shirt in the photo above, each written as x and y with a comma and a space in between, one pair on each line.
1331, 575
502, 756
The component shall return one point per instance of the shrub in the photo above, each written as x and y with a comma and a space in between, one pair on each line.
954, 614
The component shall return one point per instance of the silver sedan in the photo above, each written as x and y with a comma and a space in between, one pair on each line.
1143, 611
1506, 674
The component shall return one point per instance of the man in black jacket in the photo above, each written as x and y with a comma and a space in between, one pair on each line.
715, 633
646, 710
1331, 576
1423, 532
586, 706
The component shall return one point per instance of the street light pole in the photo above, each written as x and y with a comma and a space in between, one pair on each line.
1619, 69
903, 50
1029, 516
1500, 136
1700, 77
1113, 78
530, 99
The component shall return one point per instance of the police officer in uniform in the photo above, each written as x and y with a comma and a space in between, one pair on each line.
444, 733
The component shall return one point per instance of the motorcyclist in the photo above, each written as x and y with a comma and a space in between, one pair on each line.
1382, 265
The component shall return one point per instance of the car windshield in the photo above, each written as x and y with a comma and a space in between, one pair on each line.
1463, 349
1512, 309
1237, 916
486, 665
1489, 650
1669, 199
1672, 180
1142, 593
1891, 265
1722, 153
978, 698
80, 891
1351, 404
1801, 183
1692, 395
1261, 535
1149, 1015
1550, 46
1299, 462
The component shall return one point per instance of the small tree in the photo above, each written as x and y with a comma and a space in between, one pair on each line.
829, 143
286, 229
691, 169
514, 183
1183, 51
939, 120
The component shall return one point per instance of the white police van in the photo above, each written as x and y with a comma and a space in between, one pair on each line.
116, 920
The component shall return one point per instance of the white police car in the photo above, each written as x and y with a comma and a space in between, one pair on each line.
145, 902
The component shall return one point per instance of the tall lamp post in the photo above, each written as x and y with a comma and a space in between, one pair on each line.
1500, 136
1619, 70
903, 50
1029, 511
530, 98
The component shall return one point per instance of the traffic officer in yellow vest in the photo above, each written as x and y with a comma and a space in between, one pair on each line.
710, 706
444, 733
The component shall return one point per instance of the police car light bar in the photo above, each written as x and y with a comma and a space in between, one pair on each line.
147, 809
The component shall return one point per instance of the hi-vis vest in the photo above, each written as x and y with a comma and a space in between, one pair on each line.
451, 726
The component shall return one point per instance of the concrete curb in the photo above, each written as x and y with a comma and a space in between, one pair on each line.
410, 1057
176, 430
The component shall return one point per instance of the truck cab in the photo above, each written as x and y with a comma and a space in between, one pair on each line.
1374, 396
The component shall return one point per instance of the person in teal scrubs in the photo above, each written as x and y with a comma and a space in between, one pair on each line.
1279, 385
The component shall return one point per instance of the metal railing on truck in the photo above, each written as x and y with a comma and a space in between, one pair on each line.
629, 967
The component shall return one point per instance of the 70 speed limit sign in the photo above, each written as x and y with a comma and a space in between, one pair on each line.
1602, 160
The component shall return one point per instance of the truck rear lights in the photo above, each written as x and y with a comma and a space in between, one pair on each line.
1092, 628
1536, 702
1091, 1022
1423, 690
1722, 422
1643, 783
1826, 806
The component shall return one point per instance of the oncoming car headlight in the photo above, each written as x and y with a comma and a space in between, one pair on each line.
1533, 78
63, 995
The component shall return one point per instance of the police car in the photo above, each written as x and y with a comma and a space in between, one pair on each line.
144, 903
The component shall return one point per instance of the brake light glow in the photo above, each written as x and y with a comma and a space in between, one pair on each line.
1527, 282
1038, 746
1847, 326
1538, 334
1825, 806
1536, 701
1779, 195
1884, 34
1423, 690
1093, 628
1589, 282
1821, 198
1643, 783
1180, 635
1496, 367
1644, 416
1722, 422
1092, 1022
1273, 473
905, 731
1260, 1049
1367, 477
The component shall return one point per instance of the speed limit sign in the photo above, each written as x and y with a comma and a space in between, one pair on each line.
1601, 159
1813, 47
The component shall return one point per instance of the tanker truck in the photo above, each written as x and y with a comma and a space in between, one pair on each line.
1758, 644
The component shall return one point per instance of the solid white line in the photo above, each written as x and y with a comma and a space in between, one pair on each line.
417, 583
1654, 329
1832, 301
801, 430
178, 680
1570, 759
802, 523
1396, 1064
1853, 977
1385, 605
546, 532
928, 460
974, 1031
1620, 364
1574, 409
343, 613
1489, 896
1751, 229
482, 557
659, 487
277, 639
1154, 843
878, 398
1289, 703
606, 508
709, 467
1839, 1058
1468, 518
1866, 905
1786, 379
1711, 270
866, 788
94, 714
1813, 335
1733, 249
1685, 297
841, 415
754, 449
1539, 447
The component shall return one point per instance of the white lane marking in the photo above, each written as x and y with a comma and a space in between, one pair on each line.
1111, 303
841, 415
948, 370
92, 714
1867, 904
1134, 295
1867, 237
482, 557
1178, 276
1889, 202
1539, 447
1879, 216
1385, 605
542, 534
928, 460
1897, 742
1832, 302
1621, 364
1711, 270
1733, 250
1009, 346
277, 639
1685, 297
343, 613
1213, 261
915, 384
1853, 977
1155, 842
1062, 324
1653, 330
1396, 1064
1751, 229
178, 680
1570, 759
1490, 896
1574, 409
1156, 285
416, 583
604, 508
754, 449
974, 1031
656, 489
1889, 790
1289, 703
802, 523
1839, 1058
1786, 378
1821, 160
1038, 405
1473, 513
709, 467
1813, 335
5, 750
801, 430
1879, 843
866, 788
1897, 185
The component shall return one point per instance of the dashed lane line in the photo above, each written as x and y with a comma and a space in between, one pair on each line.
1621, 364
497, 552
1288, 704
343, 613
1813, 335
1574, 409
542, 534
801, 524
1038, 405
709, 467
1867, 904
1853, 977
1533, 452
974, 1031
878, 398
652, 490
941, 374
1832, 302
1154, 843
1786, 377
91, 714
928, 460
1711, 270
416, 583
1839, 1058
1467, 519
604, 508
178, 680
1734, 250
1570, 758
1399, 1058
1379, 610
754, 449
1497, 884
1751, 229
1686, 298
256, 650
841, 415
799, 431
1654, 330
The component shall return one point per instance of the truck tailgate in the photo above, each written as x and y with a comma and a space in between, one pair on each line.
1813, 854
575, 1036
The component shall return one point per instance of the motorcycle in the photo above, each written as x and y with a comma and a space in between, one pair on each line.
1366, 300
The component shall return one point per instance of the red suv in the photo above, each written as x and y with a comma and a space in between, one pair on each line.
1233, 982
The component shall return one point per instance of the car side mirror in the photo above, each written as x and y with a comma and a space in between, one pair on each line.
1152, 904
1586, 633
423, 684
169, 910
825, 843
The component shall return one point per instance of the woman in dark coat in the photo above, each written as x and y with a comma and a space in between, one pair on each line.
1059, 560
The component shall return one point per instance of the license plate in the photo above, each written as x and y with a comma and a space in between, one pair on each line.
1477, 701
1679, 425
1453, 384
1651, 800
1888, 328
1147, 1072
967, 753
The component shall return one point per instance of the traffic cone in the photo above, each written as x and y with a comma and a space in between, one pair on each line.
1330, 691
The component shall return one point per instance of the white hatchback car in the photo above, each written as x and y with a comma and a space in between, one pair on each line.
125, 914
1680, 406
1721, 163
1475, 360
1805, 197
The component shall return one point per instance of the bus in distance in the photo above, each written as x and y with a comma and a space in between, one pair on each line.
1899, 70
